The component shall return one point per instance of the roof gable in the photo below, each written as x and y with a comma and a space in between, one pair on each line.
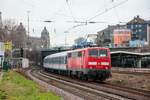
136, 20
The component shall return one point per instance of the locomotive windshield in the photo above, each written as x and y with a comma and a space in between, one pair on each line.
103, 53
98, 53
93, 52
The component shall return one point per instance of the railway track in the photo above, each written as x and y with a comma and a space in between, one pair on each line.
129, 93
91, 91
134, 71
86, 92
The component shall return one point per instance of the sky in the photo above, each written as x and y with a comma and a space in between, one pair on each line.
63, 14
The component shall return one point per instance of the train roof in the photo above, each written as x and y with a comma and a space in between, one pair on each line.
57, 54
65, 52
88, 48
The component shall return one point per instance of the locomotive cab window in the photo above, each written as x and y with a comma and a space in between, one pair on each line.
98, 53
103, 53
80, 54
93, 52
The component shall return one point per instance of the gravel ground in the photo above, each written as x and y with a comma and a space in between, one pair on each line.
129, 80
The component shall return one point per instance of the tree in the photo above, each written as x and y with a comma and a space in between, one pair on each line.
9, 27
11, 24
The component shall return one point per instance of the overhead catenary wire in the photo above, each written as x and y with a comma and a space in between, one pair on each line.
66, 31
83, 23
70, 10
117, 15
107, 9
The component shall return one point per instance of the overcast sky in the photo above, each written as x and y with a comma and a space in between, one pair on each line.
64, 12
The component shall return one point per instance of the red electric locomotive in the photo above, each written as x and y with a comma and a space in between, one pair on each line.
87, 63
93, 63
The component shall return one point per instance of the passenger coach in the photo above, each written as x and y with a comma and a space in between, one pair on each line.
87, 63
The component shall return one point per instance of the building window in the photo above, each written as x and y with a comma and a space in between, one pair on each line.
140, 25
131, 26
140, 30
136, 25
136, 30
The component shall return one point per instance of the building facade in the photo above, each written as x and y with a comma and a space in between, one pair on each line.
1, 20
105, 37
140, 29
45, 38
122, 37
36, 43
19, 37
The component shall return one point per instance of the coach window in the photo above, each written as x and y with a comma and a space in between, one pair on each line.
57, 60
49, 60
61, 60
65, 59
53, 60
45, 61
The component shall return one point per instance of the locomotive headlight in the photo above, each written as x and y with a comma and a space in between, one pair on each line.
92, 63
105, 63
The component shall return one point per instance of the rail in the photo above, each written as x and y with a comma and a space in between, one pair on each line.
86, 92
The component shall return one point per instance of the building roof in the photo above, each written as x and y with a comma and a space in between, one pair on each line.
112, 27
137, 19
21, 27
